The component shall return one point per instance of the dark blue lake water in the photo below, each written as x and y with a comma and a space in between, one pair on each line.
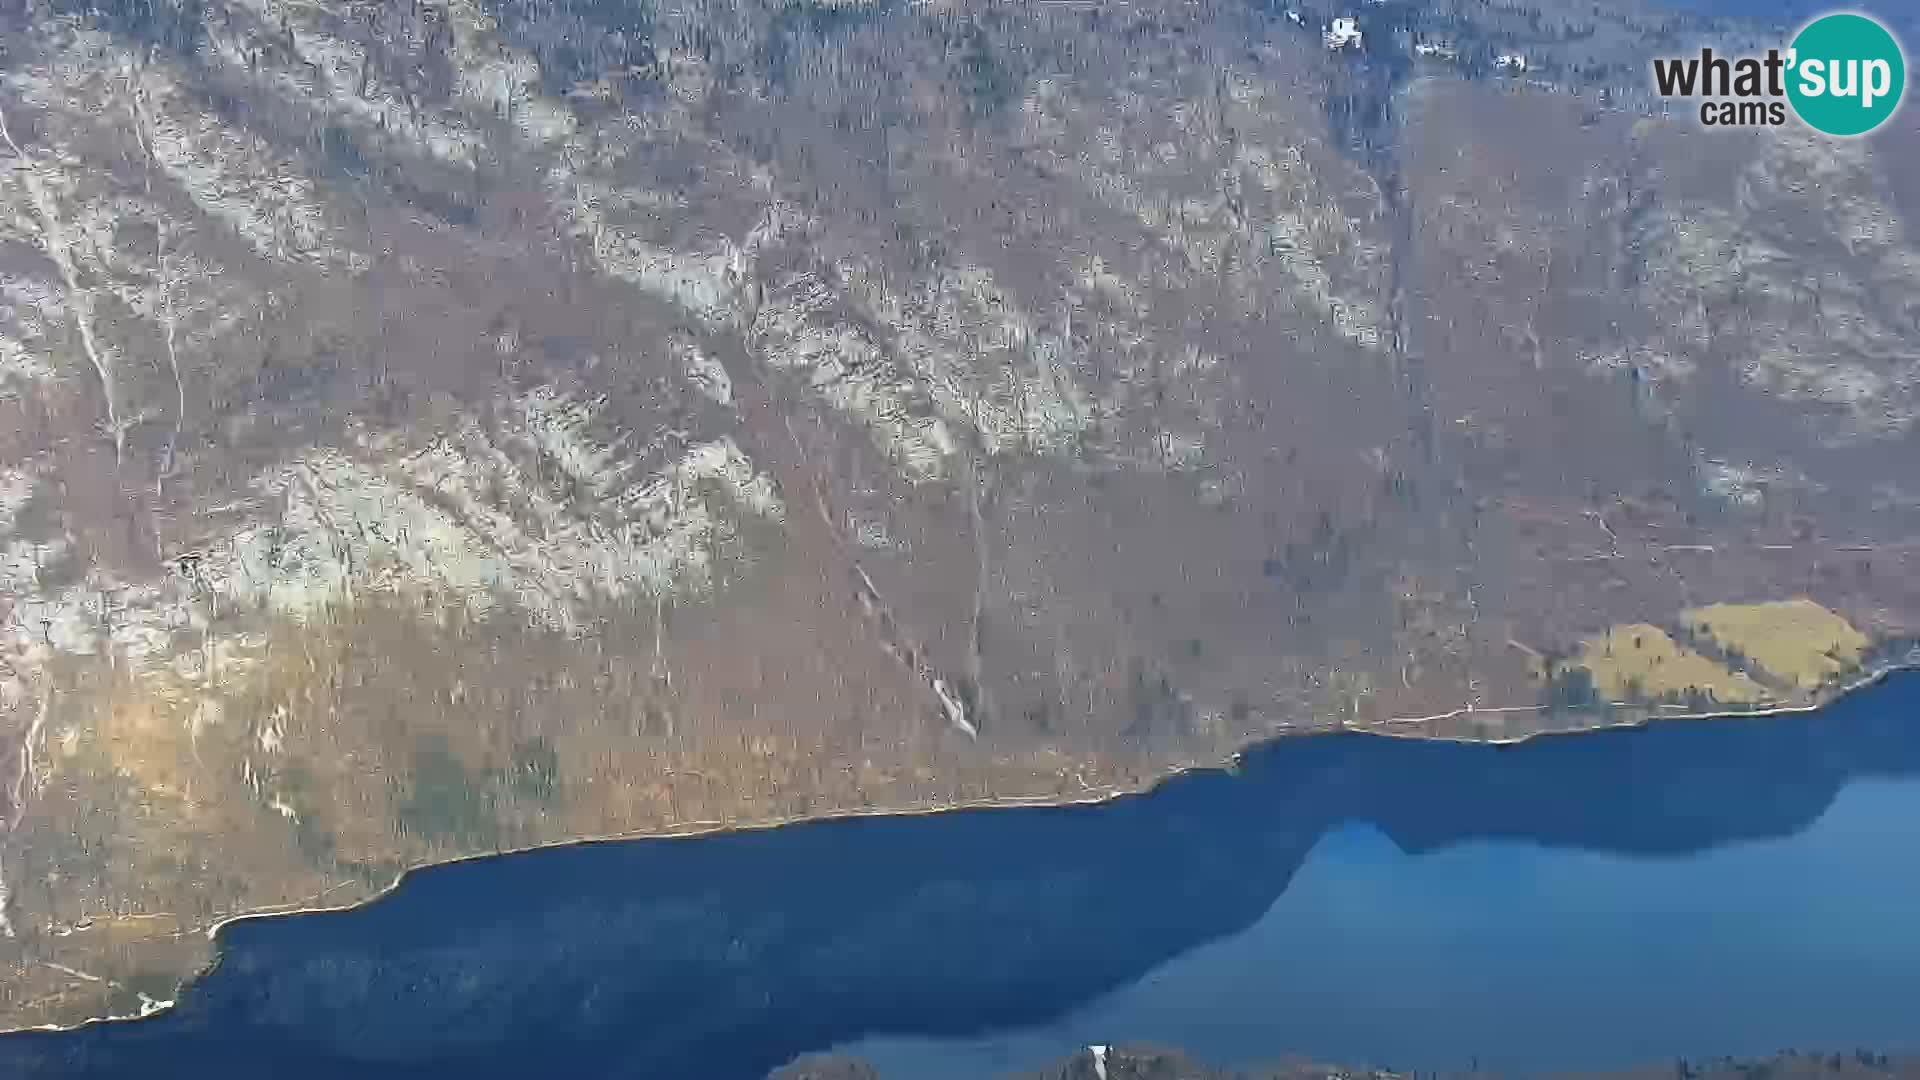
1695, 889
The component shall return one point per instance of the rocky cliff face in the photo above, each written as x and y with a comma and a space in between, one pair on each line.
433, 428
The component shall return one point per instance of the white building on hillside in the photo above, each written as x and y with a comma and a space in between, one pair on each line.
1344, 32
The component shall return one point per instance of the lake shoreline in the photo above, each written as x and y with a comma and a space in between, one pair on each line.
154, 1009
1154, 1060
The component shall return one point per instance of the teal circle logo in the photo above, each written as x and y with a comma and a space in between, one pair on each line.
1846, 74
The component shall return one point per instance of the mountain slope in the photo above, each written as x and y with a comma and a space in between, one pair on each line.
430, 429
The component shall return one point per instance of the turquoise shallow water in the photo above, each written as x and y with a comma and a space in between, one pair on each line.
1696, 888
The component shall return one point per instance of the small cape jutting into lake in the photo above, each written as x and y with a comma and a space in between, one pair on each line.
1642, 871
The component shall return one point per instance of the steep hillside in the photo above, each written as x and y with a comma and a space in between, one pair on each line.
433, 428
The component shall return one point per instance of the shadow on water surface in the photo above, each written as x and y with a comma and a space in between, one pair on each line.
727, 955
